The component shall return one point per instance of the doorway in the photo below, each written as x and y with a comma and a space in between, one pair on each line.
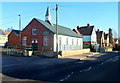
34, 44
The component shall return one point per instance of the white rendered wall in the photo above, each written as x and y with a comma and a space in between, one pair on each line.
94, 37
86, 38
72, 42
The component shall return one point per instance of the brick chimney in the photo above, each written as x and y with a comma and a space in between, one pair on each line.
98, 30
76, 31
88, 25
78, 27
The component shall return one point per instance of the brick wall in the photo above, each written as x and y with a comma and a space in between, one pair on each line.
13, 39
27, 31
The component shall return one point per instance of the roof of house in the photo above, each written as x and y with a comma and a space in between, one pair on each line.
105, 36
115, 39
7, 32
99, 34
17, 32
85, 30
2, 32
61, 29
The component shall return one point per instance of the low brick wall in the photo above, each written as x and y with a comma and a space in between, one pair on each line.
45, 54
74, 52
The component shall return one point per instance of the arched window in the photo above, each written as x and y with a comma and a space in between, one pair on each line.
45, 40
34, 31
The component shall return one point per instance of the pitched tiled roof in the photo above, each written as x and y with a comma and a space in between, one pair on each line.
17, 32
85, 30
105, 36
99, 34
61, 30
7, 32
115, 39
2, 32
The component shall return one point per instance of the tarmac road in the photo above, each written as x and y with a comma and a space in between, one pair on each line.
108, 71
97, 68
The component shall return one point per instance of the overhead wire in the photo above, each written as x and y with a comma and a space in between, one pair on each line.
26, 14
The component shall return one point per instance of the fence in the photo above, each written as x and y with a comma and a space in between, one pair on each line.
86, 46
30, 48
70, 47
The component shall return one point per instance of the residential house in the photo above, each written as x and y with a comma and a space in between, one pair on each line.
106, 39
116, 44
116, 41
3, 37
14, 38
41, 36
7, 32
88, 33
100, 38
111, 40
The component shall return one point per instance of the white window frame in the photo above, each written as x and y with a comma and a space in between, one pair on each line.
24, 38
66, 41
72, 41
45, 40
77, 41
60, 43
34, 31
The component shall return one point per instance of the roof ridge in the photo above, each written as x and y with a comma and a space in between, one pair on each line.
62, 30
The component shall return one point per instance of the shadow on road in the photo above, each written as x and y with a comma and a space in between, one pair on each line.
52, 73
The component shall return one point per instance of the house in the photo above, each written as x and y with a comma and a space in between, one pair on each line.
116, 43
3, 37
88, 33
7, 32
111, 40
106, 39
100, 38
14, 38
41, 35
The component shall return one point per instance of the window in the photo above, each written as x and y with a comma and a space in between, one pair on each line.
72, 42
34, 41
77, 41
34, 31
24, 40
45, 40
59, 40
60, 43
67, 41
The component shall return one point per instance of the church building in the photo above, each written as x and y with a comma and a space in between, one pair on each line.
41, 36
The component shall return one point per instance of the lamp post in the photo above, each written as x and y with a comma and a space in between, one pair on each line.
57, 29
20, 28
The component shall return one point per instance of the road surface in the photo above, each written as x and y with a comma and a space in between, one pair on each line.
97, 68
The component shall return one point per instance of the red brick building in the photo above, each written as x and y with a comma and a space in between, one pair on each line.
41, 35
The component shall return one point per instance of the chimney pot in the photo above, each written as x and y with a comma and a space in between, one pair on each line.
98, 30
78, 27
88, 25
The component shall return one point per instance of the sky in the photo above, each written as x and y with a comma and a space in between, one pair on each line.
103, 15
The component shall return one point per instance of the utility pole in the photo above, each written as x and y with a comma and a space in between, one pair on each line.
57, 29
20, 28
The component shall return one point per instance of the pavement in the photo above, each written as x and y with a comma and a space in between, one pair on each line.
35, 60
85, 56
